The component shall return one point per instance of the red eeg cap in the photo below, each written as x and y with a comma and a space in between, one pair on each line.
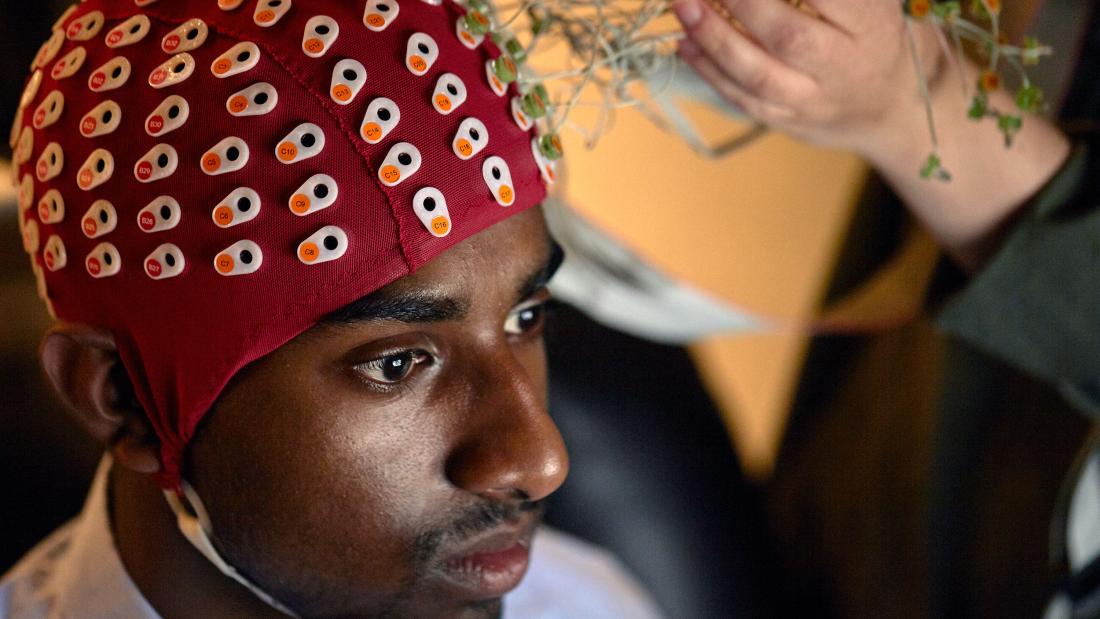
207, 180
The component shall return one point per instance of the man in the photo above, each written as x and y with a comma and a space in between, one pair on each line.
300, 269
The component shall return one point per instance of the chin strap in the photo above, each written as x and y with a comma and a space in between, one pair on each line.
194, 524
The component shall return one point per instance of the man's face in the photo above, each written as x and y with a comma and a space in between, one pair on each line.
391, 460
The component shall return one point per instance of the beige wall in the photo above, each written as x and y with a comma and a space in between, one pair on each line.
759, 228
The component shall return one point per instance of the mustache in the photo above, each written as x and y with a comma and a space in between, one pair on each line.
472, 521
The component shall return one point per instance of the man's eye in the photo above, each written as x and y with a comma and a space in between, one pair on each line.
394, 368
526, 318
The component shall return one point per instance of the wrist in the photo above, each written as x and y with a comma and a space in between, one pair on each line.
903, 138
989, 182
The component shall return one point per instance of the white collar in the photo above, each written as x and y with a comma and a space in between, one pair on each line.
92, 580
1083, 526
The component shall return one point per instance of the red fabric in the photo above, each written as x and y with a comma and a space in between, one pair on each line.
182, 339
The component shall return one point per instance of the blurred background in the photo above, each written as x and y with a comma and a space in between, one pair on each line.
768, 473
45, 460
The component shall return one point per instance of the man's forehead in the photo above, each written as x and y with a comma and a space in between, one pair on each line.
509, 250
503, 264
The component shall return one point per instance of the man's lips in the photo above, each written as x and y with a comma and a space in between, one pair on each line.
493, 563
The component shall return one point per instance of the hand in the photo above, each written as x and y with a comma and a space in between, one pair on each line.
842, 78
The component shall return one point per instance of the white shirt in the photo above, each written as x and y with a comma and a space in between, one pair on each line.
1082, 530
76, 573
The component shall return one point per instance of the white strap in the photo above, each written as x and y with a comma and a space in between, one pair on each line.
195, 526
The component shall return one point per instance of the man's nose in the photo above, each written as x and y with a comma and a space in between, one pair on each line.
510, 447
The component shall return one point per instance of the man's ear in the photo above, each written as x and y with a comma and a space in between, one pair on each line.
84, 367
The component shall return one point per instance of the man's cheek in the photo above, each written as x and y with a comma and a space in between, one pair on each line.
342, 543
374, 485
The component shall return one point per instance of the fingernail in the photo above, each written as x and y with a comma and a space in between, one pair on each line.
689, 12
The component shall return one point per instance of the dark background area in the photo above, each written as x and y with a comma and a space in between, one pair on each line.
46, 462
24, 25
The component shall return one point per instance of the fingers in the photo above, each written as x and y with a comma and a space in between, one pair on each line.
755, 107
855, 17
740, 61
798, 39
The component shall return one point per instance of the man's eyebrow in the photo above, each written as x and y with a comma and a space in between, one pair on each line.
421, 307
411, 307
540, 278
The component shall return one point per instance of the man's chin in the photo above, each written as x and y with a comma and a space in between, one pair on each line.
484, 609
478, 609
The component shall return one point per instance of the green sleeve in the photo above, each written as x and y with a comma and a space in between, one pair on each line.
1036, 304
